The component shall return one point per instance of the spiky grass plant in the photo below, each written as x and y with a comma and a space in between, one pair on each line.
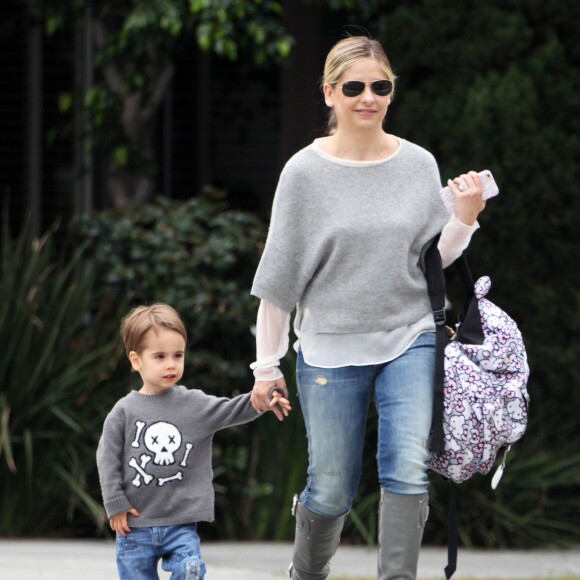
50, 367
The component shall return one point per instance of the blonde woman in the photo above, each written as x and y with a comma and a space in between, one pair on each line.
352, 216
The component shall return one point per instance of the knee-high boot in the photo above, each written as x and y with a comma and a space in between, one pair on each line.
315, 542
401, 523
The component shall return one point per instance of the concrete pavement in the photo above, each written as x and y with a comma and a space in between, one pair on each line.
95, 560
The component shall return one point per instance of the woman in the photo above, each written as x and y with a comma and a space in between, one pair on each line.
352, 217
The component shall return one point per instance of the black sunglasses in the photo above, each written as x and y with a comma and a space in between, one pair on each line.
355, 88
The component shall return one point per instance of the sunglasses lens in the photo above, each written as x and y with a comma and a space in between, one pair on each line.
382, 88
355, 88
352, 88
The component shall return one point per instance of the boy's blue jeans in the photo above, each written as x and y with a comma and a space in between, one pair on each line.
139, 552
335, 403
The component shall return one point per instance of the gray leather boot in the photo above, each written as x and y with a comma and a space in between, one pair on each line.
315, 543
401, 523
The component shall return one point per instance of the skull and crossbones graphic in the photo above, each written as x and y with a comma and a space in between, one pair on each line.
163, 440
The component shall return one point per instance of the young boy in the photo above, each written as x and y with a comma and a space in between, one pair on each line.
154, 455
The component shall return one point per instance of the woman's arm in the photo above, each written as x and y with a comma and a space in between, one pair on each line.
455, 237
272, 328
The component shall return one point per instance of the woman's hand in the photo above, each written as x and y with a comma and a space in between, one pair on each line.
468, 190
261, 400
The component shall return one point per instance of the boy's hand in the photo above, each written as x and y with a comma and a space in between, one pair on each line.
118, 522
278, 402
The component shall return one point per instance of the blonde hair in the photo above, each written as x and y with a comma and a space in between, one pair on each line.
346, 53
142, 319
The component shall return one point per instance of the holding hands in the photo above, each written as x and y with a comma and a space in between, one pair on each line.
271, 396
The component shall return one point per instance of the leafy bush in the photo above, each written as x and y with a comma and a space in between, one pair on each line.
54, 355
195, 255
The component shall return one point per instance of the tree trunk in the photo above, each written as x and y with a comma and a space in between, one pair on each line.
132, 180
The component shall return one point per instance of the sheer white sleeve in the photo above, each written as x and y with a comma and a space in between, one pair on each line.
455, 237
272, 329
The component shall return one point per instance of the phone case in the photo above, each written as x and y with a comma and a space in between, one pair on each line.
489, 185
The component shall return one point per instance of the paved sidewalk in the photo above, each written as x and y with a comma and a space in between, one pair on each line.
95, 560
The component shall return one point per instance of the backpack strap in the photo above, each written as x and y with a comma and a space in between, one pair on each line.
436, 288
470, 330
452, 535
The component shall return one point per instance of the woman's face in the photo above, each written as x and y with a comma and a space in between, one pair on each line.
364, 112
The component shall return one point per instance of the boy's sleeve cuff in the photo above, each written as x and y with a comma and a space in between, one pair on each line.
119, 504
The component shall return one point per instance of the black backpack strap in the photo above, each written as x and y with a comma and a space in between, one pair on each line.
436, 288
452, 539
470, 331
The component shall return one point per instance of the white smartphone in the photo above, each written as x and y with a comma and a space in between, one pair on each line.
488, 183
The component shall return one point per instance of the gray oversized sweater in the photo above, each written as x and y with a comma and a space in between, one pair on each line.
155, 454
345, 241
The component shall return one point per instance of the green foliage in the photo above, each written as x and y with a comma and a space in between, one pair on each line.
197, 256
226, 27
55, 353
531, 507
135, 43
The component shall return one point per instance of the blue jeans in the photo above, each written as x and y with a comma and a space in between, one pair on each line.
335, 405
139, 552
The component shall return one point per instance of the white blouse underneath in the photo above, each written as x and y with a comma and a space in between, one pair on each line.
356, 349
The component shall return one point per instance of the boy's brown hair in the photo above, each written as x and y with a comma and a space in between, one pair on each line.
142, 319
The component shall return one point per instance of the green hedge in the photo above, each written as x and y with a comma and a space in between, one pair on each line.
199, 257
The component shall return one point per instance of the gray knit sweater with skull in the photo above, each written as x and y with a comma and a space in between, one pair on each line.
155, 454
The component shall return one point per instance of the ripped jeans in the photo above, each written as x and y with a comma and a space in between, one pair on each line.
335, 404
139, 552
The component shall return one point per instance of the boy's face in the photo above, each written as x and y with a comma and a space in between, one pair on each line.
160, 362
